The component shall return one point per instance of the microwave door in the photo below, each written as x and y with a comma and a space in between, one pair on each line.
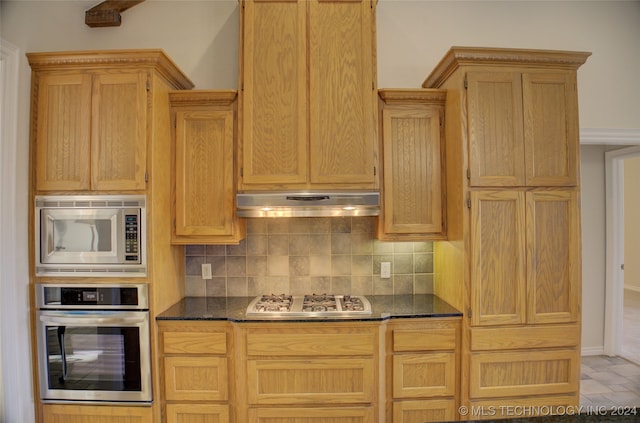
81, 236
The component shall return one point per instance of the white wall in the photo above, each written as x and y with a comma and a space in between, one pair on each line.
631, 223
201, 37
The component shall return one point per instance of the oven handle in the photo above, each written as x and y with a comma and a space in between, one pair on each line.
117, 318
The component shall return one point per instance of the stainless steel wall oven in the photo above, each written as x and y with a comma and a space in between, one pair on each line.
93, 343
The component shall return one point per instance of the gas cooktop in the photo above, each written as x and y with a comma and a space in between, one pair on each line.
310, 305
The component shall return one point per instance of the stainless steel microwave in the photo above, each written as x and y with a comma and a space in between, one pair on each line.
90, 235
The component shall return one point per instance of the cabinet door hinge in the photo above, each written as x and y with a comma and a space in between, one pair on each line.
375, 171
146, 176
468, 173
468, 202
148, 85
242, 171
466, 82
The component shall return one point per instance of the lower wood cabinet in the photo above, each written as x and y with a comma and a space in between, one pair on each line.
422, 370
196, 362
62, 413
309, 372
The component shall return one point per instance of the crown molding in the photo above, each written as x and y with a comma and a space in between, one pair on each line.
610, 136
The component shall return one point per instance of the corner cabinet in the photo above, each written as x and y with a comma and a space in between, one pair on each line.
203, 172
308, 99
91, 114
413, 182
512, 258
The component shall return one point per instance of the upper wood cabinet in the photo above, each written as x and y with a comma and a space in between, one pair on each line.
524, 247
204, 178
93, 116
521, 113
413, 182
308, 99
523, 128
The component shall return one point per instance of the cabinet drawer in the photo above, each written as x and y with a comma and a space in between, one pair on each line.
196, 378
312, 415
522, 407
424, 340
197, 413
313, 341
194, 343
523, 373
311, 381
439, 410
424, 375
549, 336
62, 413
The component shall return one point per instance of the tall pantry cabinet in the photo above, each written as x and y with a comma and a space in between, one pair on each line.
100, 124
512, 261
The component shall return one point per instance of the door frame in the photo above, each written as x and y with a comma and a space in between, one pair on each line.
614, 279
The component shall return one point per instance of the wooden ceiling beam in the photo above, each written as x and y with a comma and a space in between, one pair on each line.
108, 13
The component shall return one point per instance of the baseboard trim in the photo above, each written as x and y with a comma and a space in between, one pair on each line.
588, 351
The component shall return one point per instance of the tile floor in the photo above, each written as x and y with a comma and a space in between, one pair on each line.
615, 381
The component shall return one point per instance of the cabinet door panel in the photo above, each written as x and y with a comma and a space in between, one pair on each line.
498, 269
524, 373
311, 381
437, 410
495, 129
312, 415
196, 378
197, 413
58, 413
424, 375
274, 98
343, 100
119, 131
550, 129
554, 270
204, 173
412, 171
63, 131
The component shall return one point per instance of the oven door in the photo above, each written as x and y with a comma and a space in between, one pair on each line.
94, 355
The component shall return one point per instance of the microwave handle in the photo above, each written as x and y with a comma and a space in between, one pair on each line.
90, 319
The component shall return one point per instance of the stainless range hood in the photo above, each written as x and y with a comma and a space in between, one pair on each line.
308, 204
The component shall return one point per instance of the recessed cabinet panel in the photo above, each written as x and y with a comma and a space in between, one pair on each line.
196, 378
59, 413
554, 277
304, 381
275, 97
197, 413
63, 131
312, 415
496, 147
433, 410
119, 131
498, 271
424, 375
550, 128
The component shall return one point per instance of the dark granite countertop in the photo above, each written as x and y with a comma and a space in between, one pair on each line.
382, 306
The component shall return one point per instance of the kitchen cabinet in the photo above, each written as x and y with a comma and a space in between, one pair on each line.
422, 370
512, 257
307, 98
413, 184
196, 380
93, 116
524, 249
309, 370
523, 127
204, 178
66, 413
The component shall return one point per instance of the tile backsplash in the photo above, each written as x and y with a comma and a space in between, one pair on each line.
338, 255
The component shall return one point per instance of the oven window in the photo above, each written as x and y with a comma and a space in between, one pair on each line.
93, 358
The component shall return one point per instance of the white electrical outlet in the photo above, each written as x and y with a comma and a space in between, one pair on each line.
206, 271
385, 270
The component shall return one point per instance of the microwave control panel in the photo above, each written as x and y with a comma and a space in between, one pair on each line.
132, 237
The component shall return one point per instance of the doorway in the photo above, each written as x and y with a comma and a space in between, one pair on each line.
619, 326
